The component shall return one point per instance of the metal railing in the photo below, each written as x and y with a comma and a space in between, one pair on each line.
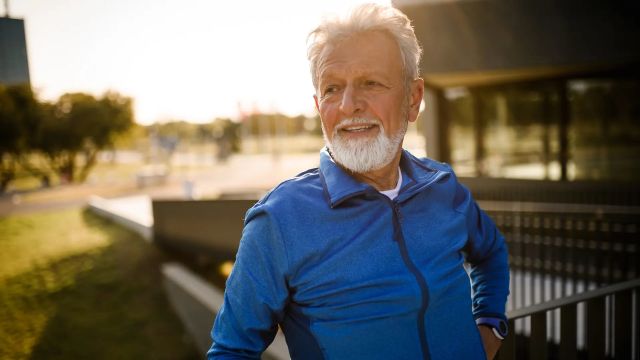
597, 324
557, 250
564, 259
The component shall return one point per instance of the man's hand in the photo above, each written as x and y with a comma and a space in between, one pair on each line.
490, 341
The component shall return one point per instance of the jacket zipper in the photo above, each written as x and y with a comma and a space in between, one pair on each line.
424, 290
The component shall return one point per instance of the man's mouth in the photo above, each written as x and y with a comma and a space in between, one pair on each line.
358, 128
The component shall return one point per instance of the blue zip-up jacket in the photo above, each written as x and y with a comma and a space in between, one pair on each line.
348, 273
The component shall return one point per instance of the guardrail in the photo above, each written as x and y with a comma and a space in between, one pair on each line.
564, 192
557, 250
597, 324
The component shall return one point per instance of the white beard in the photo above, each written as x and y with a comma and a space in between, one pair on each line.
366, 154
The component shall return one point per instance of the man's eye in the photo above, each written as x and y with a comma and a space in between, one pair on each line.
330, 89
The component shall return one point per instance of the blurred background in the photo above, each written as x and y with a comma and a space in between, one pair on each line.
135, 134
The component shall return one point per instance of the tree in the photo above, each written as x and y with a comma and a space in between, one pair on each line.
77, 127
19, 117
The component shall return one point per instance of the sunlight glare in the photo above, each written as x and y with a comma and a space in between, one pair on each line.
192, 60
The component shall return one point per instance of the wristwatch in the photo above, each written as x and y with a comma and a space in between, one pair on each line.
499, 326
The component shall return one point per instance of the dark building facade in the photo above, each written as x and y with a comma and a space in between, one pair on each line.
14, 65
531, 89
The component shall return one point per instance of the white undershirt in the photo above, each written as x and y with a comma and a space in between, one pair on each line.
393, 193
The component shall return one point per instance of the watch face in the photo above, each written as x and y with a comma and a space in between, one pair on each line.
502, 328
499, 327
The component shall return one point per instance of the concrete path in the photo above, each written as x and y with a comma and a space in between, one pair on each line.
240, 174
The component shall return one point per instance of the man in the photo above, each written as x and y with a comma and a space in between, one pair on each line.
363, 257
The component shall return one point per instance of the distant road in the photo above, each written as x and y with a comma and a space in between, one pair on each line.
240, 173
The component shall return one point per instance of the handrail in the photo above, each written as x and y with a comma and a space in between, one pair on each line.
573, 299
563, 208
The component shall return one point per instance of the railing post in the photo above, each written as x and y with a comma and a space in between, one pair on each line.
568, 331
538, 348
508, 348
622, 324
596, 328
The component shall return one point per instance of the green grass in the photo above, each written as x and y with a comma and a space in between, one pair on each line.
74, 286
102, 172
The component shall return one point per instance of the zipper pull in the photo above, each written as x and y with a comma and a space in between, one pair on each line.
396, 209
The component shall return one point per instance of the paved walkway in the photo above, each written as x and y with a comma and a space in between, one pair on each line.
240, 174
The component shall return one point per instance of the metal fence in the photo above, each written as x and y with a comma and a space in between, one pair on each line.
574, 250
564, 259
557, 250
597, 324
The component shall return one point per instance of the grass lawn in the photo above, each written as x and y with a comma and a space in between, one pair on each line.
74, 286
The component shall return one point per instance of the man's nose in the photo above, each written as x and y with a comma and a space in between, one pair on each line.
351, 101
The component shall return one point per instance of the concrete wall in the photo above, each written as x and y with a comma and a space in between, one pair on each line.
206, 226
131, 212
14, 65
194, 300
197, 302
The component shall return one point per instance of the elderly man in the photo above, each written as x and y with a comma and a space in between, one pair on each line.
362, 258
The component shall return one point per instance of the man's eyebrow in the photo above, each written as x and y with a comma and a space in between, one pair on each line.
328, 74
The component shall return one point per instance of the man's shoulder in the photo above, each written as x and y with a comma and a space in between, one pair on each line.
434, 164
430, 164
304, 187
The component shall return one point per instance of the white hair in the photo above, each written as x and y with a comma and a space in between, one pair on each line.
364, 155
365, 18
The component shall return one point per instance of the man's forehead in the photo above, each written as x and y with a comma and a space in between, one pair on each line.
361, 55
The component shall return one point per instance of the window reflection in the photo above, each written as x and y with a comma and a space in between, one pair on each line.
461, 131
521, 136
604, 137
514, 131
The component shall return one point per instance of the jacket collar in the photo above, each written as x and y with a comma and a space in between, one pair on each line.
339, 185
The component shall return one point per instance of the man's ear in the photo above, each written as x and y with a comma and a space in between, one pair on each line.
315, 99
415, 99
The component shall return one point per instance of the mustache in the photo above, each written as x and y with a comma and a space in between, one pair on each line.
357, 121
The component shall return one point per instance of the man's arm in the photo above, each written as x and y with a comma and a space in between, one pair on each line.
490, 341
255, 294
487, 255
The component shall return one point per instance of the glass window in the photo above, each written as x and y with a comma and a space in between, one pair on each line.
604, 132
513, 131
521, 132
461, 131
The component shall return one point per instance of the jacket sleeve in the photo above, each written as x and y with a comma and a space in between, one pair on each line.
488, 259
256, 292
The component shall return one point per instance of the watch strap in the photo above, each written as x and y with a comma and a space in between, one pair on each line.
498, 326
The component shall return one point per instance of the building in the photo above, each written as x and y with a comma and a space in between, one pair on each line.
14, 64
531, 89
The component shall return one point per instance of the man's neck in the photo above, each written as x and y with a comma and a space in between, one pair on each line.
385, 178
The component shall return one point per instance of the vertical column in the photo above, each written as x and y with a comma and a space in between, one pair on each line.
436, 130
565, 117
546, 138
479, 132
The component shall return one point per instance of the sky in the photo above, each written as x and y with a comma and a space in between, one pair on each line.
192, 60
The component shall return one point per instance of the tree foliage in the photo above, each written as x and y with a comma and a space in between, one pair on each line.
20, 115
78, 126
68, 133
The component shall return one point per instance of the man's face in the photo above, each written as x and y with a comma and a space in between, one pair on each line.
361, 97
